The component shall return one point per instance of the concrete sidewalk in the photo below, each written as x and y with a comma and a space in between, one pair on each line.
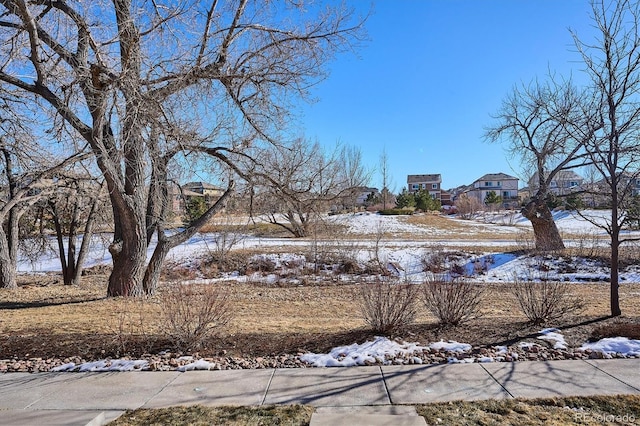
96, 398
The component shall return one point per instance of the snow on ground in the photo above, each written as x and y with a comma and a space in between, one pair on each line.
553, 335
615, 345
381, 350
405, 257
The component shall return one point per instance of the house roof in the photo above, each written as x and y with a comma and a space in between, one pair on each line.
200, 184
366, 189
497, 176
424, 178
562, 175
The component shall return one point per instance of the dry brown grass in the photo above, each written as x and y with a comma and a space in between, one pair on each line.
267, 319
464, 230
595, 410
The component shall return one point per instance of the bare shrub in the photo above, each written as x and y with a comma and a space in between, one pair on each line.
452, 300
227, 236
467, 206
387, 304
172, 271
193, 313
261, 264
439, 261
434, 261
130, 325
588, 245
618, 329
543, 301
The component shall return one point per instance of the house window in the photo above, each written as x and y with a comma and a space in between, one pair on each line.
497, 183
434, 186
573, 183
487, 184
505, 194
415, 186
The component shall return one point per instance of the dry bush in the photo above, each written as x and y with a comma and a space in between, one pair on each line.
587, 245
543, 301
387, 304
193, 313
618, 329
130, 324
172, 271
439, 261
261, 264
467, 206
453, 301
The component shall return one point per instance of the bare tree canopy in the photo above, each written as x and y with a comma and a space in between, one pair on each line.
532, 122
27, 172
299, 182
148, 84
612, 63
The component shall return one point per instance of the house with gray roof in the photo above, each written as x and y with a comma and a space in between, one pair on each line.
428, 182
501, 184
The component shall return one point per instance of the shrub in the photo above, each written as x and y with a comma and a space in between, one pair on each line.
619, 329
453, 301
543, 301
193, 313
131, 325
438, 261
387, 304
396, 212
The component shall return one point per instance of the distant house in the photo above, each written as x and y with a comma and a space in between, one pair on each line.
431, 183
565, 182
501, 184
598, 194
207, 190
364, 194
179, 196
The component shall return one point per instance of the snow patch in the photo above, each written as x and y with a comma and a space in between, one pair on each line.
380, 350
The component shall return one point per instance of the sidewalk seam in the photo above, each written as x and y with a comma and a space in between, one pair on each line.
610, 375
264, 397
386, 388
496, 380
161, 389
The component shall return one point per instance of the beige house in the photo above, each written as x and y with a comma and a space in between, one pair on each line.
204, 189
501, 184
430, 182
563, 183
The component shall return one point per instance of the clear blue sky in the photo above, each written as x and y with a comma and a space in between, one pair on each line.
433, 71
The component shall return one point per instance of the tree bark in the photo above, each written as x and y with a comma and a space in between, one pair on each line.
615, 257
7, 264
545, 231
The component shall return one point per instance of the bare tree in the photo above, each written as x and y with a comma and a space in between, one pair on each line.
612, 62
74, 209
532, 122
300, 182
149, 84
26, 176
385, 192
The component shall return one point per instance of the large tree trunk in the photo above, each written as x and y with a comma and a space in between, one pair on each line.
128, 250
152, 275
7, 264
129, 264
545, 231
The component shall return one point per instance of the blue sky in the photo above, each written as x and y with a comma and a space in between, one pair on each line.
433, 71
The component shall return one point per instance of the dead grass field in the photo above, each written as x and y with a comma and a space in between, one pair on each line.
40, 318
